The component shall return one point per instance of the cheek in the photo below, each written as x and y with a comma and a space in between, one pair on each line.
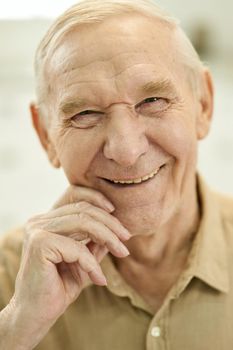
75, 151
176, 136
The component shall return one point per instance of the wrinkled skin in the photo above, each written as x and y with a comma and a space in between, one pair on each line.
127, 138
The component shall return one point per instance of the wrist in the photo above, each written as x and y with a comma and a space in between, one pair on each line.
27, 331
8, 333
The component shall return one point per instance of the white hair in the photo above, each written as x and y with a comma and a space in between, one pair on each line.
96, 11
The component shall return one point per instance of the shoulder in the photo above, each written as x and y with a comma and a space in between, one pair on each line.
225, 203
10, 253
12, 240
11, 247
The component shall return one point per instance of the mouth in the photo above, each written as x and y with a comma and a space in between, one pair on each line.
136, 181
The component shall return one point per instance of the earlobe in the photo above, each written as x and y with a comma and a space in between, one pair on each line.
52, 155
206, 105
42, 132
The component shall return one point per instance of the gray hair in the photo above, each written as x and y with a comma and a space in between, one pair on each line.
96, 11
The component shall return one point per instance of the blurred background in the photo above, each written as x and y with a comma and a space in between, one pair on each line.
28, 184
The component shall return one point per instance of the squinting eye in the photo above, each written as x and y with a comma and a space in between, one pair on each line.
86, 112
150, 100
152, 106
86, 119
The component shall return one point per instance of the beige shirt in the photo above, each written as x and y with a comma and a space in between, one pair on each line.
197, 314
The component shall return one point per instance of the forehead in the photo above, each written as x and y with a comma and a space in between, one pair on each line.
126, 48
115, 35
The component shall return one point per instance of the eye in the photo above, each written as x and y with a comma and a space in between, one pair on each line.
86, 112
86, 119
150, 100
152, 106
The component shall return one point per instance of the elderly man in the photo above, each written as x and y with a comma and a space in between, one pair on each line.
137, 254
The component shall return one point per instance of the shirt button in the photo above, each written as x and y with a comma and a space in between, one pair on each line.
156, 332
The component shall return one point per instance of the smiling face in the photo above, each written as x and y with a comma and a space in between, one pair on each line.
124, 119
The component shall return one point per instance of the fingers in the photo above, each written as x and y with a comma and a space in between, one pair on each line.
78, 193
58, 249
95, 230
79, 208
98, 251
78, 231
83, 221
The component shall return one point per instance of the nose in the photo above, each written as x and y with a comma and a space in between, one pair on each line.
126, 139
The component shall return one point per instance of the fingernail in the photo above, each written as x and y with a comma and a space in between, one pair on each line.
123, 249
102, 280
109, 207
126, 233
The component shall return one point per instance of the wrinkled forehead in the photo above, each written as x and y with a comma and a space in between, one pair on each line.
118, 41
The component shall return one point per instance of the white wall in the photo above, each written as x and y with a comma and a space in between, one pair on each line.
217, 13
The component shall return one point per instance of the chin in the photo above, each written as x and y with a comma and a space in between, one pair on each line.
140, 222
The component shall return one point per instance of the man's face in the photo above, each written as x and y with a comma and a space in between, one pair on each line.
122, 110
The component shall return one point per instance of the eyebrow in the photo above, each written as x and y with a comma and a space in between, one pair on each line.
70, 106
159, 87
152, 87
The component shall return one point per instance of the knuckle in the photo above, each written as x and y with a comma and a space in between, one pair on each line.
99, 239
30, 227
74, 193
34, 239
39, 223
49, 225
82, 205
80, 193
81, 247
83, 217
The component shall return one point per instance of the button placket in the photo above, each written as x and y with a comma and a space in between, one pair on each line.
156, 336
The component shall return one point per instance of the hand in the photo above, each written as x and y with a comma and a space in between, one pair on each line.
62, 252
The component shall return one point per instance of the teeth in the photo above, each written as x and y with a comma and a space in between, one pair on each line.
137, 181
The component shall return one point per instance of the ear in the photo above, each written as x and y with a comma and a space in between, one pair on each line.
41, 128
206, 102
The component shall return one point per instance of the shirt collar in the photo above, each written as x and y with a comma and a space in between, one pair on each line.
118, 286
208, 258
